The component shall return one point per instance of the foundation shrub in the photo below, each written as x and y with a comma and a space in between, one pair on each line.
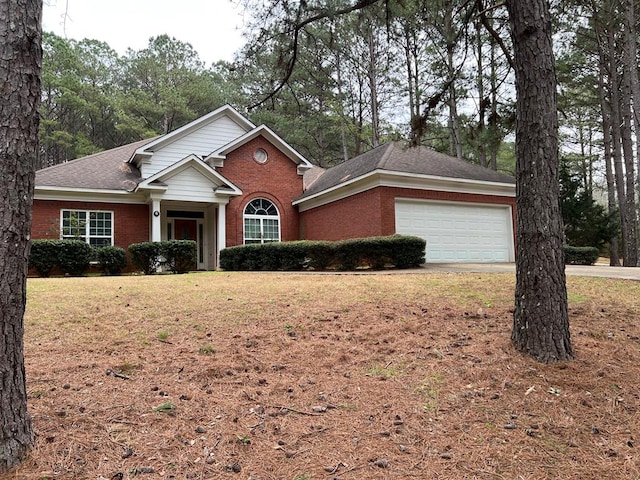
146, 256
44, 256
405, 251
74, 257
179, 255
111, 260
319, 255
375, 252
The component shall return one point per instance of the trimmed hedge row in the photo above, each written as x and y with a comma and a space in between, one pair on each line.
399, 251
179, 256
580, 255
74, 257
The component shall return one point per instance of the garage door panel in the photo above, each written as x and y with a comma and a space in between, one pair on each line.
458, 232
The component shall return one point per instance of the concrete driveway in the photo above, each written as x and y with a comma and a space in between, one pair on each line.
598, 270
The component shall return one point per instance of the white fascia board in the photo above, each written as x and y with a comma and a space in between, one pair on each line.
448, 184
87, 195
154, 188
225, 191
266, 132
187, 162
147, 150
141, 156
384, 178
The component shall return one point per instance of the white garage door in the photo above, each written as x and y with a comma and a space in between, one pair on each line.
458, 232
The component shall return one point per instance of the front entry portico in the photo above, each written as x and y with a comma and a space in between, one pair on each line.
189, 199
203, 223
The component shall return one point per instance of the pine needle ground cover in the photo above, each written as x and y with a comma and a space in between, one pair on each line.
307, 376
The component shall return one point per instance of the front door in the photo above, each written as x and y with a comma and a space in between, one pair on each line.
190, 229
185, 229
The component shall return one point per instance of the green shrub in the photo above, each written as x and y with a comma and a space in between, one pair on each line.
146, 256
348, 253
319, 255
293, 255
230, 258
111, 260
44, 256
374, 252
74, 257
406, 251
179, 255
580, 255
243, 257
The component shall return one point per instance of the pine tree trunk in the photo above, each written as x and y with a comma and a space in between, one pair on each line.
631, 53
622, 153
540, 319
605, 110
482, 104
629, 75
373, 87
20, 66
493, 118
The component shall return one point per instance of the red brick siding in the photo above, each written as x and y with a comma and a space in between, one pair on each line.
356, 216
372, 212
276, 180
131, 221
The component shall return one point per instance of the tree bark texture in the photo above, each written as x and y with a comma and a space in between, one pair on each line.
627, 215
605, 109
540, 320
631, 249
20, 66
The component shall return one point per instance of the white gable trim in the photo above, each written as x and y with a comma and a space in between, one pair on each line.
217, 157
385, 178
145, 152
220, 184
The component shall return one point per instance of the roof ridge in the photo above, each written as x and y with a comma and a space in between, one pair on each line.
386, 155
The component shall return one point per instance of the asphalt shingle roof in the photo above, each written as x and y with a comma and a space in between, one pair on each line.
106, 170
393, 157
109, 170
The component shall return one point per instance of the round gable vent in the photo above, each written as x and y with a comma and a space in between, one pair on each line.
260, 155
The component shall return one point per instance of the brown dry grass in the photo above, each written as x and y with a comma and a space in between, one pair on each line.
302, 376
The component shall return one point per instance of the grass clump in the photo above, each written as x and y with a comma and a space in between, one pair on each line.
207, 349
162, 335
165, 407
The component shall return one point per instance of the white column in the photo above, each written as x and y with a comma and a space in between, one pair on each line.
221, 231
156, 223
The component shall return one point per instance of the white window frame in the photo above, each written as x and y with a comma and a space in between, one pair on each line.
262, 219
86, 236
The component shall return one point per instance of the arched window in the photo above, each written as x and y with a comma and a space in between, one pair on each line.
261, 222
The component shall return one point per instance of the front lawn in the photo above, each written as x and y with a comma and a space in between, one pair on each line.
325, 376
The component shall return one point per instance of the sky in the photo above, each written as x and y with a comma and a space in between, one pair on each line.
212, 27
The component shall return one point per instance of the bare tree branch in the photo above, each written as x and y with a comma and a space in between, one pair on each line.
496, 36
295, 31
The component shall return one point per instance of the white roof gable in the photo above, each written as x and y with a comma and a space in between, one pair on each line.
200, 137
189, 179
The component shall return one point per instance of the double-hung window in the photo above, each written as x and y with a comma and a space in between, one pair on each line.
261, 222
93, 226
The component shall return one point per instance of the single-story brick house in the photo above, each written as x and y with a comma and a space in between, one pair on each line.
222, 181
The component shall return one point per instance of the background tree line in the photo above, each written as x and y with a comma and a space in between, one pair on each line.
437, 73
